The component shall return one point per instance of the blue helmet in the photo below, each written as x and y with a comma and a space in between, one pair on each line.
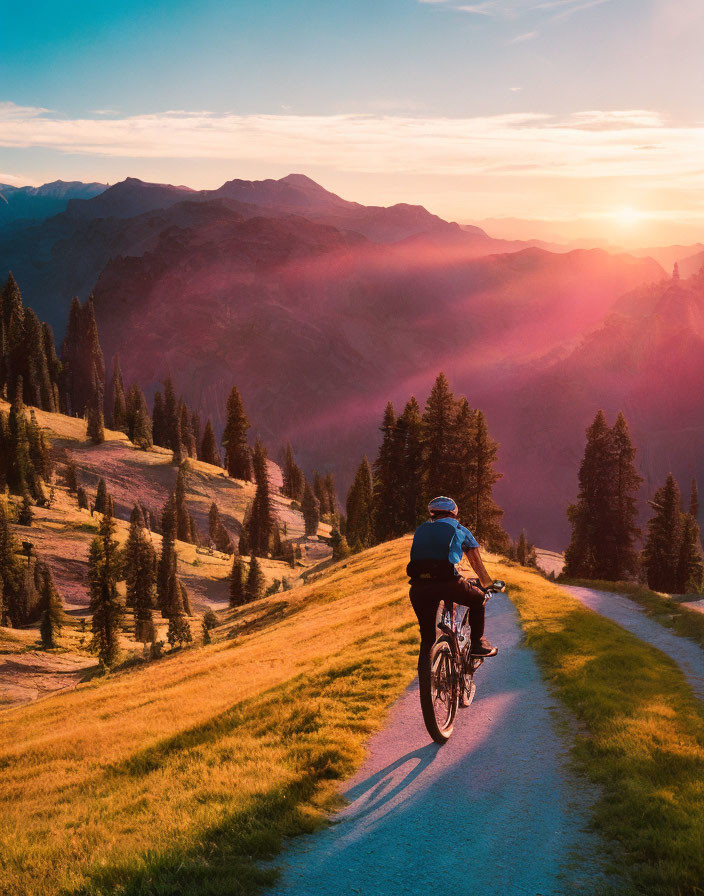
442, 505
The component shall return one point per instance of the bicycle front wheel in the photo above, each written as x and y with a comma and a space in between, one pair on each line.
439, 692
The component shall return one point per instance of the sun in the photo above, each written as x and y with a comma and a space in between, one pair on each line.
629, 217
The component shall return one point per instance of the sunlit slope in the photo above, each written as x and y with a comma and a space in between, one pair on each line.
202, 759
62, 533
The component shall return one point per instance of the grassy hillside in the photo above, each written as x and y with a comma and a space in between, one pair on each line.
180, 777
62, 533
186, 771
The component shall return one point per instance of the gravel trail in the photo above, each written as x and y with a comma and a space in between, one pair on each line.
496, 808
688, 655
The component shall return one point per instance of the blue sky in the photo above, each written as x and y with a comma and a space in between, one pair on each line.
377, 76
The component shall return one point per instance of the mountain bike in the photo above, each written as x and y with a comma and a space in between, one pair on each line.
449, 682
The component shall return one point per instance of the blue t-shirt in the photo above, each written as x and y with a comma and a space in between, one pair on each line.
442, 539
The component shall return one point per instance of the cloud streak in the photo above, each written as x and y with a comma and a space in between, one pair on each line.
511, 10
625, 144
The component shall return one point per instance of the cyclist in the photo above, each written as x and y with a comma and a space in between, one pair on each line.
438, 545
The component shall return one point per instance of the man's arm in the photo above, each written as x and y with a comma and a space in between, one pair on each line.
475, 558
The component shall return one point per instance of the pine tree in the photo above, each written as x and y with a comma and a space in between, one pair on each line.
20, 472
238, 460
237, 594
82, 357
142, 426
117, 406
483, 511
11, 573
591, 516
184, 530
320, 493
140, 574
52, 613
101, 497
104, 570
187, 437
179, 452
159, 421
385, 486
166, 570
438, 426
82, 498
172, 420
690, 565
254, 588
625, 503
661, 554
39, 453
195, 429
604, 530
94, 413
340, 547
139, 423
53, 363
71, 476
261, 523
209, 453
359, 508
409, 434
525, 552
294, 481
310, 508
694, 499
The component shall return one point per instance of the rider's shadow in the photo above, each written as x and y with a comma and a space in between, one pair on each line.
374, 787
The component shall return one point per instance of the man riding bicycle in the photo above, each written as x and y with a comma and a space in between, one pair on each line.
438, 546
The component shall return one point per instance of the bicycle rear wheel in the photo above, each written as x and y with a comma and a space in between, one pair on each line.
439, 691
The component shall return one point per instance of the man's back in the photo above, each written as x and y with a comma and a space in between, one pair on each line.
442, 539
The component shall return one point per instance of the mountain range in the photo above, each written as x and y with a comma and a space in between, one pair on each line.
321, 310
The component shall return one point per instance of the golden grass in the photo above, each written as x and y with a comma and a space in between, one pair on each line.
181, 776
178, 777
641, 739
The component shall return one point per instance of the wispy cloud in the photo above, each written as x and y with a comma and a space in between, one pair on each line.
587, 144
511, 10
522, 38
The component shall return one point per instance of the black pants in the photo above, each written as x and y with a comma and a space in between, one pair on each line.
426, 595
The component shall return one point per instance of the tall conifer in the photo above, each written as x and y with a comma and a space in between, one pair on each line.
359, 509
238, 459
237, 595
105, 605
261, 522
159, 421
438, 426
661, 554
117, 407
385, 479
294, 481
52, 617
209, 453
310, 507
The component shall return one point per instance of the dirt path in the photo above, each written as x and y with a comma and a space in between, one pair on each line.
496, 809
688, 655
